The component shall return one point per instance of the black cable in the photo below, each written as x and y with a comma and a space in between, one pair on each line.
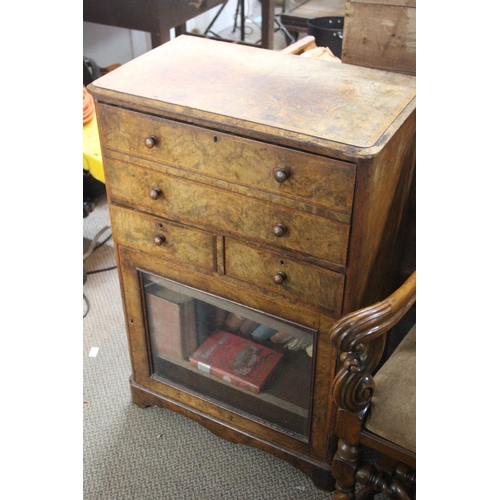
101, 270
94, 242
88, 305
102, 242
94, 246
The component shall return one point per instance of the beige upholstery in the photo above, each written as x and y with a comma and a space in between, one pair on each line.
393, 406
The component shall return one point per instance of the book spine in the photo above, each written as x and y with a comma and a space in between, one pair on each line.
233, 323
206, 317
164, 327
189, 340
248, 327
262, 333
172, 326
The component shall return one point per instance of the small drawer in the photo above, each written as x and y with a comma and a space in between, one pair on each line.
163, 239
224, 211
307, 283
301, 176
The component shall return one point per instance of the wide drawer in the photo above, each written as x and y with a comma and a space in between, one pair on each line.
221, 210
163, 239
305, 177
285, 276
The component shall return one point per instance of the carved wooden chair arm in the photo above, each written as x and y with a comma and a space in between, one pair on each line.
355, 337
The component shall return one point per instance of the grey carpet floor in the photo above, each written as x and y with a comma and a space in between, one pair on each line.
155, 454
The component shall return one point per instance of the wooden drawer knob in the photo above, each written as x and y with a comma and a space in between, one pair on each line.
151, 141
279, 278
279, 230
281, 175
159, 240
154, 194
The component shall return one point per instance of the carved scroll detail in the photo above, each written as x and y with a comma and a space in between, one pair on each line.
353, 386
359, 339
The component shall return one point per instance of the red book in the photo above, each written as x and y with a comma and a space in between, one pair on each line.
236, 360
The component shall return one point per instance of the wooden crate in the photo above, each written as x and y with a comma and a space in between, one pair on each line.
380, 34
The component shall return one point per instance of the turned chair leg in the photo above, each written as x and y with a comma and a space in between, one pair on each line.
376, 481
345, 463
366, 493
343, 494
392, 479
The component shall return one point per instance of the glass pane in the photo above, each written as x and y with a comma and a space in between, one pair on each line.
240, 358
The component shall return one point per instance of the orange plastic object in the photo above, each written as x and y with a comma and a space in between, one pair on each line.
88, 106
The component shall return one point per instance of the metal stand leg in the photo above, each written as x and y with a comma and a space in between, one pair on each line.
240, 9
209, 27
240, 14
281, 27
242, 20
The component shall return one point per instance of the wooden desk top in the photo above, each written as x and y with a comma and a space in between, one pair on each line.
301, 99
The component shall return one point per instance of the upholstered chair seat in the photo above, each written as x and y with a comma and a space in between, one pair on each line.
393, 406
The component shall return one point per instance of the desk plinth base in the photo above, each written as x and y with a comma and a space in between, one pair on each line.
320, 473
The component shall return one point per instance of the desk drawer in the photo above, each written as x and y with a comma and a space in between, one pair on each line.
306, 177
163, 239
223, 211
284, 276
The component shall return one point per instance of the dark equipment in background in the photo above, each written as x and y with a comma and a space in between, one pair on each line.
328, 32
240, 14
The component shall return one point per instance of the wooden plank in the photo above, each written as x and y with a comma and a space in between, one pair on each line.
401, 3
267, 8
300, 46
319, 8
382, 36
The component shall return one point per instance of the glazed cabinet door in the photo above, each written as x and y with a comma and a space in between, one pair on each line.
231, 361
236, 357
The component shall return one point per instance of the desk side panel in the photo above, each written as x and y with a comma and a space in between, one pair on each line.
378, 222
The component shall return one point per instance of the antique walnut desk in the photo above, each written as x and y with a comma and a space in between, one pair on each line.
260, 195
